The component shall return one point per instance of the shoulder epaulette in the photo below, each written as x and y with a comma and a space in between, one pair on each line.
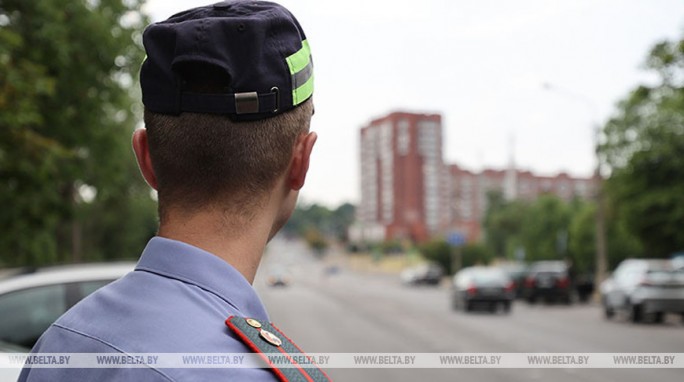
264, 338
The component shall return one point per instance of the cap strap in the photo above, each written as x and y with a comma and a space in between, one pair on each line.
239, 103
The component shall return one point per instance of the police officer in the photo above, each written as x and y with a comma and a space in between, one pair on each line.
227, 92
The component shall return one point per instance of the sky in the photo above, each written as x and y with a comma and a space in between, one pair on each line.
482, 65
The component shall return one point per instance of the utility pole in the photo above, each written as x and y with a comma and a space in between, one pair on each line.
601, 242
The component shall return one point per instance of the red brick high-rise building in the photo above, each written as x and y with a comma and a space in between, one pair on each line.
403, 187
407, 192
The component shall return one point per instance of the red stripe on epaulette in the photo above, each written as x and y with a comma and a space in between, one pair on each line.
299, 367
300, 349
253, 347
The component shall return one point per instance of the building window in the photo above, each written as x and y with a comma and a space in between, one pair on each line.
428, 139
387, 167
404, 138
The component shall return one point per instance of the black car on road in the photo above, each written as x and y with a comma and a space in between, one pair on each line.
485, 287
550, 281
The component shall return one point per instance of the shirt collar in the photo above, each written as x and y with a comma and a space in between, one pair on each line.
187, 263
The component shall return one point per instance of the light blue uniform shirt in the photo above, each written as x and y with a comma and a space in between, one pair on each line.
176, 301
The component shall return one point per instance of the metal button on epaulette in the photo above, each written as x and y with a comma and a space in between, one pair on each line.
253, 323
270, 338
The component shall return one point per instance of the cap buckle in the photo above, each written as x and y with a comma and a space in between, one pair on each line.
246, 103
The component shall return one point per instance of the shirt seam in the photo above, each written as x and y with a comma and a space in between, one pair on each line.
60, 326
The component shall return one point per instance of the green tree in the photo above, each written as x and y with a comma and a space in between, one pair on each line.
475, 254
437, 251
330, 223
644, 146
542, 228
68, 183
502, 224
544, 232
582, 237
440, 252
497, 231
343, 217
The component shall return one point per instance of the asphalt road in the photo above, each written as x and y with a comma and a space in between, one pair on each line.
353, 312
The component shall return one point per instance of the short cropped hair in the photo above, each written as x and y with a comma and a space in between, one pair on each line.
203, 159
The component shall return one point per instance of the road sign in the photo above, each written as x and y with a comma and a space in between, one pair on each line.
456, 239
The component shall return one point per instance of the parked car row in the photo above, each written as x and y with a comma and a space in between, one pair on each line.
548, 281
496, 287
640, 289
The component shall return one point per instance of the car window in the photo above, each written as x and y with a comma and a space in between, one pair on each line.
26, 314
489, 277
678, 275
666, 276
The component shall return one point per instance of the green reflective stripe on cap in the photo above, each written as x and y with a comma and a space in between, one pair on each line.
300, 78
301, 70
300, 59
303, 92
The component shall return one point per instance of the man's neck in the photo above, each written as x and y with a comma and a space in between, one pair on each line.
240, 245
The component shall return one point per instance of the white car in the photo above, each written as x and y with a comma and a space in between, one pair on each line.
32, 300
428, 273
642, 287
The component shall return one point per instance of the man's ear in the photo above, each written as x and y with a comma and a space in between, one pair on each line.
142, 155
300, 160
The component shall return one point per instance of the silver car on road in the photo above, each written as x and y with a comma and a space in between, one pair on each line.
644, 288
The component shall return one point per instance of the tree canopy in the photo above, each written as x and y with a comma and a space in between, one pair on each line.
552, 229
644, 149
317, 224
68, 182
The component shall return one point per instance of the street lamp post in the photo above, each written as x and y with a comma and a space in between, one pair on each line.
601, 260
601, 242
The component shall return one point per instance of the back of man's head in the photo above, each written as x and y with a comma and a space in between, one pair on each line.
227, 90
202, 160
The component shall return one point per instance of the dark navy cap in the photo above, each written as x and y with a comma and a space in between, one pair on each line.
258, 47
